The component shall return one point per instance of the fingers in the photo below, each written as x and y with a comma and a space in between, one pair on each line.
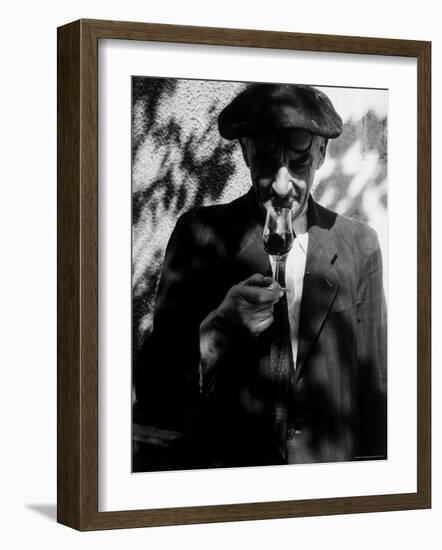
259, 289
257, 279
259, 295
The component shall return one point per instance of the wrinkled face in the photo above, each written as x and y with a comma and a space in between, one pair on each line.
284, 162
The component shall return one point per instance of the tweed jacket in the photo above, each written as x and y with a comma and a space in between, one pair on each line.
335, 399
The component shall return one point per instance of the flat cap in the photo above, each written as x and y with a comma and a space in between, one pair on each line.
279, 106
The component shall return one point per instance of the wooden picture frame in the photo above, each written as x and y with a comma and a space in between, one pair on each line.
77, 460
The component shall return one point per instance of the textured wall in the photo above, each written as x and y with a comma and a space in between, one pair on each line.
180, 161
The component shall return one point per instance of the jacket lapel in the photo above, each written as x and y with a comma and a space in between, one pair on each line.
320, 281
251, 254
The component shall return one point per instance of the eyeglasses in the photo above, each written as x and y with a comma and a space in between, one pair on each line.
297, 140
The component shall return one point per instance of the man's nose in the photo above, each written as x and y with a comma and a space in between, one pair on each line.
282, 182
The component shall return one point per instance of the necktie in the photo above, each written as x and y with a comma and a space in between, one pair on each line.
281, 363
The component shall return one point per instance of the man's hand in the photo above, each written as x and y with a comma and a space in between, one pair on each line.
246, 309
248, 306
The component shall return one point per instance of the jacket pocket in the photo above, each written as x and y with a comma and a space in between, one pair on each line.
341, 307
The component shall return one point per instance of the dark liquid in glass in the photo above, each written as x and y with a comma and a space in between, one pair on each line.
278, 244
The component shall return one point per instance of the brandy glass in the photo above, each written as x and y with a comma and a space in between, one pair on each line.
278, 236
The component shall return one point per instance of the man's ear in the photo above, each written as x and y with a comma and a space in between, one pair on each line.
322, 150
244, 148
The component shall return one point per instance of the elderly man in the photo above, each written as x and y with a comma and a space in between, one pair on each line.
240, 371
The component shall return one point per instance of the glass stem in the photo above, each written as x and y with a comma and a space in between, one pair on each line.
278, 260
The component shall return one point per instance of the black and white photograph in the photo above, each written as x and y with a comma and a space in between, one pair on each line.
220, 275
259, 274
